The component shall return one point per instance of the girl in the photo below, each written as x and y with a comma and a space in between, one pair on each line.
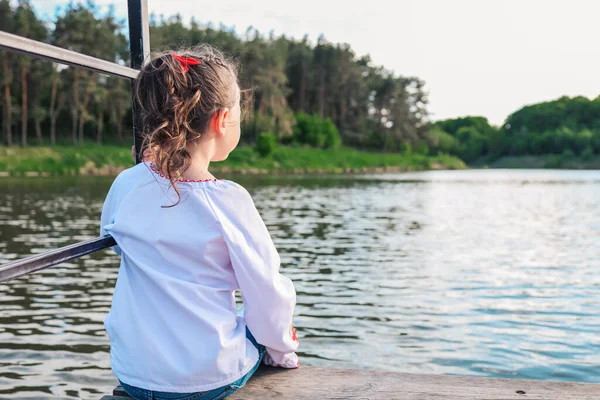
187, 241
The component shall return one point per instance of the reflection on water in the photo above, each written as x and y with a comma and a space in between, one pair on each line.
486, 273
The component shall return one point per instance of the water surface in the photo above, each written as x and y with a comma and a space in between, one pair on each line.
491, 273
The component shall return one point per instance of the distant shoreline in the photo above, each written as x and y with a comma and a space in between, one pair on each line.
548, 161
111, 160
114, 171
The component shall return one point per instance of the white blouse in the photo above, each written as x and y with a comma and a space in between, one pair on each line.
173, 325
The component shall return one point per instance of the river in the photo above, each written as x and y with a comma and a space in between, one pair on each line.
484, 272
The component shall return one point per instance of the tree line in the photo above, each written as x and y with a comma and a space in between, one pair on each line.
319, 94
565, 126
293, 81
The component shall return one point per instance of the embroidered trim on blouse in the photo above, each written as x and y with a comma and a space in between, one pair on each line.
156, 171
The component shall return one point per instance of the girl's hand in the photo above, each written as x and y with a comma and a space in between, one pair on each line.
290, 361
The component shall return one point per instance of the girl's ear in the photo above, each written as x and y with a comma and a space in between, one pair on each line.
219, 121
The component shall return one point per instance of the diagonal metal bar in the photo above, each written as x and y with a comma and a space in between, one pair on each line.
34, 48
37, 262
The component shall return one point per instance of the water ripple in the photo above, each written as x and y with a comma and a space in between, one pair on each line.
487, 273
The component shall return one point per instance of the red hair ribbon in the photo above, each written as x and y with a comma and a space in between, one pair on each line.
186, 62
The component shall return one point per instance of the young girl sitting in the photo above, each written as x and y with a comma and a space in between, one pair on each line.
188, 241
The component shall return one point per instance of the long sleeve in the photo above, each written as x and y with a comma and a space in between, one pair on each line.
269, 297
110, 207
107, 219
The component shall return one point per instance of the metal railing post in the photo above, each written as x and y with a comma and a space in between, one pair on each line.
139, 42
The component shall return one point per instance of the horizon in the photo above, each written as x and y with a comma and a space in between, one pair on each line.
484, 66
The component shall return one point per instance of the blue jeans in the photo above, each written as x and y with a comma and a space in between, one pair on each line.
214, 394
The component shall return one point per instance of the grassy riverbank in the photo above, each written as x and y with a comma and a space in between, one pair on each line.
109, 160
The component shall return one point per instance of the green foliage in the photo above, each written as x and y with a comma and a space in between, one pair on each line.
63, 160
468, 137
266, 144
556, 161
406, 148
566, 127
452, 126
304, 130
331, 136
357, 102
316, 132
443, 142
472, 143
421, 147
319, 95
588, 153
575, 113
553, 127
568, 153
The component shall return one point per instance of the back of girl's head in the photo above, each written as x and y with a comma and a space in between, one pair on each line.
177, 94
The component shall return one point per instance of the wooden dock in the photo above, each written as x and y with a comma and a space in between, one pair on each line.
328, 383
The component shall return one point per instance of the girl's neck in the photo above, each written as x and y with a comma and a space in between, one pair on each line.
201, 154
197, 172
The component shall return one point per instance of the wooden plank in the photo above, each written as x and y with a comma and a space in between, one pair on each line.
329, 383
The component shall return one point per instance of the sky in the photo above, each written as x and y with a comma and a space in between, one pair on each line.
477, 57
